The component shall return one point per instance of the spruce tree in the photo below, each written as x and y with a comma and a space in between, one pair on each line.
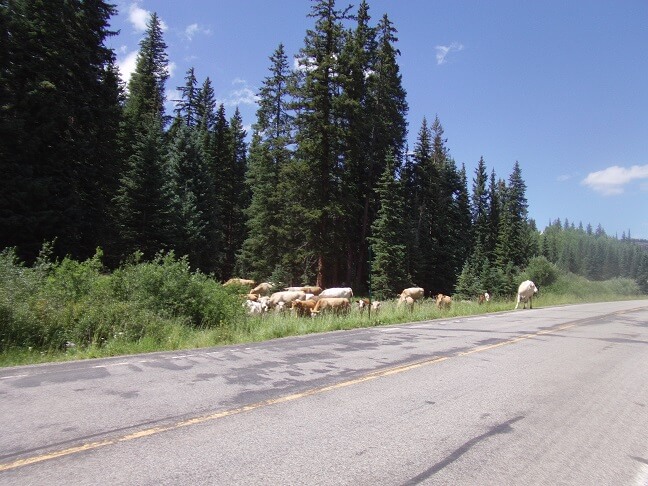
142, 211
186, 107
357, 60
239, 196
480, 205
219, 159
206, 109
451, 223
319, 140
146, 88
388, 248
513, 243
191, 189
58, 101
423, 195
143, 201
494, 214
268, 234
205, 106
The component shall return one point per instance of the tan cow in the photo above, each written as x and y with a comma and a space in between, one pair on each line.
337, 305
443, 301
414, 293
309, 289
262, 289
240, 281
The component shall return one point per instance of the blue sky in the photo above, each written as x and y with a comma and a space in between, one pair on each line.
559, 86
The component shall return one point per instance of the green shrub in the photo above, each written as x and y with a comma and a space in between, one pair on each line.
167, 285
541, 271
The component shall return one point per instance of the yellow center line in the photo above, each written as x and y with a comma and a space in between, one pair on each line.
274, 401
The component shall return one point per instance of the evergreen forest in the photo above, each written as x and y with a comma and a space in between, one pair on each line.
324, 190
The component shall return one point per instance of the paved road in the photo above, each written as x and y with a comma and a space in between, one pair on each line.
542, 396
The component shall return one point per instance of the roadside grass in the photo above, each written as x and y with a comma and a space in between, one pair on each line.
60, 311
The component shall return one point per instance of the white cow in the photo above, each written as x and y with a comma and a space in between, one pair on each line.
526, 291
375, 306
286, 296
366, 303
414, 294
254, 307
337, 292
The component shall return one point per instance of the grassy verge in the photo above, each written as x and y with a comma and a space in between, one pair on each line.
57, 311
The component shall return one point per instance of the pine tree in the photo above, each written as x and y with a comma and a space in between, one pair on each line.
239, 195
357, 59
480, 205
424, 193
57, 102
319, 139
494, 215
191, 188
142, 202
146, 95
388, 275
267, 239
186, 107
206, 107
513, 243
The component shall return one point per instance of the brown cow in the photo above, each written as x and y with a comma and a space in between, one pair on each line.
303, 308
485, 297
338, 305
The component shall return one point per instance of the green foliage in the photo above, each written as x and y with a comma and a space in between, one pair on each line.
575, 288
541, 271
58, 118
167, 286
388, 276
82, 161
54, 303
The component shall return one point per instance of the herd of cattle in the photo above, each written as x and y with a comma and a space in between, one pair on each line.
311, 301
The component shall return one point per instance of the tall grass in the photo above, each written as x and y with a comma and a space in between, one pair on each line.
59, 310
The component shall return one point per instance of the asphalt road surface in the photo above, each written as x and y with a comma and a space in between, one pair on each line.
555, 396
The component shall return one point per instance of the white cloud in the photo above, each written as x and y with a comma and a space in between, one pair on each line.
127, 65
139, 17
243, 96
304, 64
563, 178
193, 29
171, 68
612, 181
443, 51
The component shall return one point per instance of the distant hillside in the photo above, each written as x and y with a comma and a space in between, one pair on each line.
642, 243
